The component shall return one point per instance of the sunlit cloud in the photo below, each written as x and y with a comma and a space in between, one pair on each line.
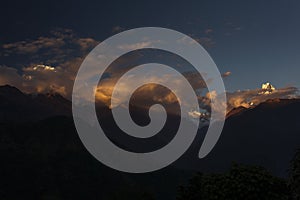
54, 49
226, 74
66, 51
33, 46
54, 62
10, 76
139, 45
254, 97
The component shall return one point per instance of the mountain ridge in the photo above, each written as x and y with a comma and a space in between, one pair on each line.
47, 150
18, 106
38, 106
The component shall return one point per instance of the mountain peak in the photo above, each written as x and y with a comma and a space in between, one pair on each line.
268, 104
18, 106
236, 111
9, 88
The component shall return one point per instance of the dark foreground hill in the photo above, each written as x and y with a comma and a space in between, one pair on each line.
19, 107
42, 156
267, 135
46, 160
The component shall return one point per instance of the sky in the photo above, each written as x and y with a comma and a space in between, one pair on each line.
252, 42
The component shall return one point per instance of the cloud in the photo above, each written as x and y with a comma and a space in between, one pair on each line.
106, 88
86, 43
54, 49
196, 81
57, 79
208, 31
59, 56
254, 97
139, 45
226, 74
117, 29
55, 59
204, 41
55, 68
24, 47
247, 98
42, 79
53, 64
10, 76
37, 79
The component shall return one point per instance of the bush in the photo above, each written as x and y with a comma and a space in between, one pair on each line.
294, 180
240, 183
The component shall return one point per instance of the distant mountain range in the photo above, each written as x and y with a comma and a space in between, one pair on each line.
41, 149
18, 106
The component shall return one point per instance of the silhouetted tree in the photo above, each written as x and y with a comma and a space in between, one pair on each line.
240, 183
131, 192
294, 180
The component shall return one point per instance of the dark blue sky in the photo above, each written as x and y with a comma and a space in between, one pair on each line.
256, 40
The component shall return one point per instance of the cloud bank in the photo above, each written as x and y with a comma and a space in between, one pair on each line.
58, 57
52, 65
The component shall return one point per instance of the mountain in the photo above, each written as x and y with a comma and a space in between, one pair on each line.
43, 157
267, 135
236, 111
17, 106
270, 103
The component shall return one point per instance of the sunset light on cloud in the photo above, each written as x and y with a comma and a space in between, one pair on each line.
40, 78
